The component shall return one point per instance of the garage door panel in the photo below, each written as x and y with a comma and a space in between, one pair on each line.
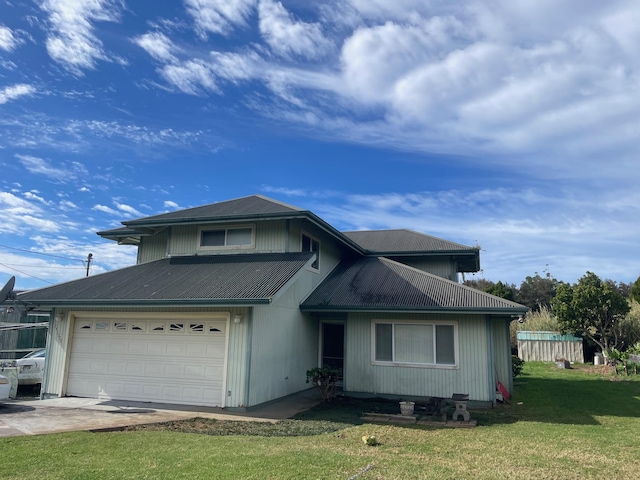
148, 362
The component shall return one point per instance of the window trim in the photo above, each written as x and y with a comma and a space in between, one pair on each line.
434, 323
211, 228
315, 266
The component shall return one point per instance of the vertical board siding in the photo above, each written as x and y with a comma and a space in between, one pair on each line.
550, 350
502, 352
284, 345
442, 267
270, 238
152, 248
57, 353
470, 377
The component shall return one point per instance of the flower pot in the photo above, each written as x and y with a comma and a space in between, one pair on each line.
406, 408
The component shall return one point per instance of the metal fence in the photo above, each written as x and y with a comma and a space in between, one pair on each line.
549, 346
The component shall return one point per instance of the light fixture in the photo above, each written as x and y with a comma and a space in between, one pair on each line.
59, 317
237, 318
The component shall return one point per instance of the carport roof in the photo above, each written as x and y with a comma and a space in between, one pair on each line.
198, 280
379, 284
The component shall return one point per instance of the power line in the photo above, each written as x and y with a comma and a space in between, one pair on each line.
41, 253
40, 266
27, 274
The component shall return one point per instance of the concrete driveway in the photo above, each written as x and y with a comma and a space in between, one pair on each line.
35, 417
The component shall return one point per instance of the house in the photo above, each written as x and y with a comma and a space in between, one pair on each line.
231, 303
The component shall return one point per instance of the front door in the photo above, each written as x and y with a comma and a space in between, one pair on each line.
333, 345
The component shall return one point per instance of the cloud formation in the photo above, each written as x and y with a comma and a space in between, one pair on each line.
16, 91
71, 40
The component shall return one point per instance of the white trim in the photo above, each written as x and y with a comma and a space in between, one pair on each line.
456, 344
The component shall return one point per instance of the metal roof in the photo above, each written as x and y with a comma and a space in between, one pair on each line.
380, 284
402, 241
251, 206
200, 280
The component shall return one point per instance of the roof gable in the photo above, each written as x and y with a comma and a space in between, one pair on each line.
380, 284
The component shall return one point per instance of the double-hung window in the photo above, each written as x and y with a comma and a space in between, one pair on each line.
310, 244
415, 343
230, 237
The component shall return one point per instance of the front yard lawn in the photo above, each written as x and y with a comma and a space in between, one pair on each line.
565, 424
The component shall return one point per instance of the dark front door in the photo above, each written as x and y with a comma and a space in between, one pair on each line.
333, 345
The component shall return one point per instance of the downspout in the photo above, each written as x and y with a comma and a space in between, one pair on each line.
168, 251
491, 366
288, 230
247, 385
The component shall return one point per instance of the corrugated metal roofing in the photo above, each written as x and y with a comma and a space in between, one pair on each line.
257, 205
401, 240
215, 279
382, 284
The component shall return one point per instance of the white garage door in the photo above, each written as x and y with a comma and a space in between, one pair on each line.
170, 361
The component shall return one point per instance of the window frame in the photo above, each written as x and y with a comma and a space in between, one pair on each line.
316, 264
434, 324
226, 229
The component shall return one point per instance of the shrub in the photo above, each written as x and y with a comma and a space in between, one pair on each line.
325, 379
516, 365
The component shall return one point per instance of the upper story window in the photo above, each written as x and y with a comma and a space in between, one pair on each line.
231, 237
310, 244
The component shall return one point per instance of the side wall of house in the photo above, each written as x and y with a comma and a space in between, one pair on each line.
502, 352
441, 266
284, 341
472, 374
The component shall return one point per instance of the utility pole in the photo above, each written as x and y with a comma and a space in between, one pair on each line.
89, 257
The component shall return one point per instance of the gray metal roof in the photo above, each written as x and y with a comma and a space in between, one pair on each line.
251, 206
380, 284
200, 280
402, 241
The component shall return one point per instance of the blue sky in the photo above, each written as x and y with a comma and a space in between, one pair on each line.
510, 124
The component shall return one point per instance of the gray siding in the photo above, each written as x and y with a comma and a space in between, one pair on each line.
502, 352
284, 345
270, 238
441, 266
472, 375
153, 248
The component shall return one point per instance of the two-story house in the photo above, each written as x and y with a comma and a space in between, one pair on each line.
231, 303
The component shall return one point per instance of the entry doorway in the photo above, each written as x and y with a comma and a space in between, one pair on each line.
333, 346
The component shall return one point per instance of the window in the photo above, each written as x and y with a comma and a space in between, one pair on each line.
226, 237
310, 244
414, 343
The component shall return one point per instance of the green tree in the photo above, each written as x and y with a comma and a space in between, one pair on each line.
593, 309
634, 292
536, 292
501, 290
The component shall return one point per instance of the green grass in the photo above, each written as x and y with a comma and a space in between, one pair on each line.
561, 424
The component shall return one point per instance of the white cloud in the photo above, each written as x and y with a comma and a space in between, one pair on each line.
520, 231
158, 45
105, 209
72, 41
20, 216
219, 16
8, 41
286, 36
170, 204
42, 167
16, 91
192, 76
128, 209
